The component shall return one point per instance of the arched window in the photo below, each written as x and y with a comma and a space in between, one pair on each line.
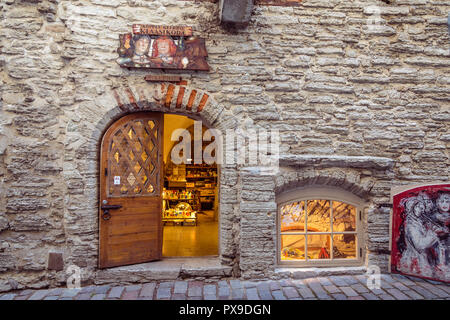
319, 227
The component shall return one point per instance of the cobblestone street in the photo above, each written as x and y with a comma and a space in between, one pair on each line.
393, 287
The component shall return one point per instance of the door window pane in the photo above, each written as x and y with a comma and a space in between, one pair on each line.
132, 154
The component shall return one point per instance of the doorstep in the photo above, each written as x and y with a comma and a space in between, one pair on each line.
303, 273
166, 269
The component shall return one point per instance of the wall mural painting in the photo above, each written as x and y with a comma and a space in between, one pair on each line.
159, 47
420, 232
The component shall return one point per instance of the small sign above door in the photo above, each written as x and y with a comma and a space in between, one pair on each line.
177, 31
162, 47
163, 78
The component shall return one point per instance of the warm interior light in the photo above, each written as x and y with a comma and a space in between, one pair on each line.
317, 229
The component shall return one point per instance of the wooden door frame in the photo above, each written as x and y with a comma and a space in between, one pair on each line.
103, 164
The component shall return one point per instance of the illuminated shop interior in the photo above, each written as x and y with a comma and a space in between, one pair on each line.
190, 204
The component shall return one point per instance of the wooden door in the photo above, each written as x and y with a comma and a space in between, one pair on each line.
130, 190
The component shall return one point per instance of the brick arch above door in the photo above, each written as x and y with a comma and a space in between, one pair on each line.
167, 97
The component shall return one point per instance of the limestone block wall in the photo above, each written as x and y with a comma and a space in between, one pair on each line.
359, 91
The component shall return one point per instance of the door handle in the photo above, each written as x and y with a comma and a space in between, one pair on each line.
106, 215
111, 206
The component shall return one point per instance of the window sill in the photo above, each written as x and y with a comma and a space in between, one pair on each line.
310, 272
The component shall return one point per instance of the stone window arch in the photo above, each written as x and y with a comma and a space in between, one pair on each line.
319, 226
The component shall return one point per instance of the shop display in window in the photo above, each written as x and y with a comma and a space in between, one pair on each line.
317, 229
293, 247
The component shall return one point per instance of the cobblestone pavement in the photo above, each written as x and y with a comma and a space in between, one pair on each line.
393, 287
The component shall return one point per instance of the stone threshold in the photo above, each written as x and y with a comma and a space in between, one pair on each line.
304, 273
166, 269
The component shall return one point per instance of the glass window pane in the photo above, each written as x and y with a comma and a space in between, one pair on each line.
319, 246
344, 217
292, 247
344, 246
318, 216
293, 217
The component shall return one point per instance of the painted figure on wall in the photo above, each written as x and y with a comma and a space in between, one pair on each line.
442, 217
420, 232
141, 49
195, 52
162, 52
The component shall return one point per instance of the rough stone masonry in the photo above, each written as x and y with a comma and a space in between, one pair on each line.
359, 91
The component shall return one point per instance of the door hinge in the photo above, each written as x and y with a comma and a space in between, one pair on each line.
360, 215
106, 172
360, 252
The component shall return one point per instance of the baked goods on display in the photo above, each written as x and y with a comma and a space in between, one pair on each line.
181, 213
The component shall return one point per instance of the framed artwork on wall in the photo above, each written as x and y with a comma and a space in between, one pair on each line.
162, 47
420, 243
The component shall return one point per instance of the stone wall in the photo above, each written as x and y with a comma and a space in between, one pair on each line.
359, 91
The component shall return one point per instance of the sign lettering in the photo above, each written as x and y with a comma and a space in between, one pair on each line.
162, 78
177, 31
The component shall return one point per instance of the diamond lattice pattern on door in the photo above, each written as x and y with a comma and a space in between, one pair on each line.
133, 156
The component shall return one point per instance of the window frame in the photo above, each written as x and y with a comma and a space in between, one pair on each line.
330, 194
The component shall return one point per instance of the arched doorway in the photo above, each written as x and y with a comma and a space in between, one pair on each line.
82, 161
145, 198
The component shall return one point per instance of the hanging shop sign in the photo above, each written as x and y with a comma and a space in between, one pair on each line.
162, 47
420, 243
